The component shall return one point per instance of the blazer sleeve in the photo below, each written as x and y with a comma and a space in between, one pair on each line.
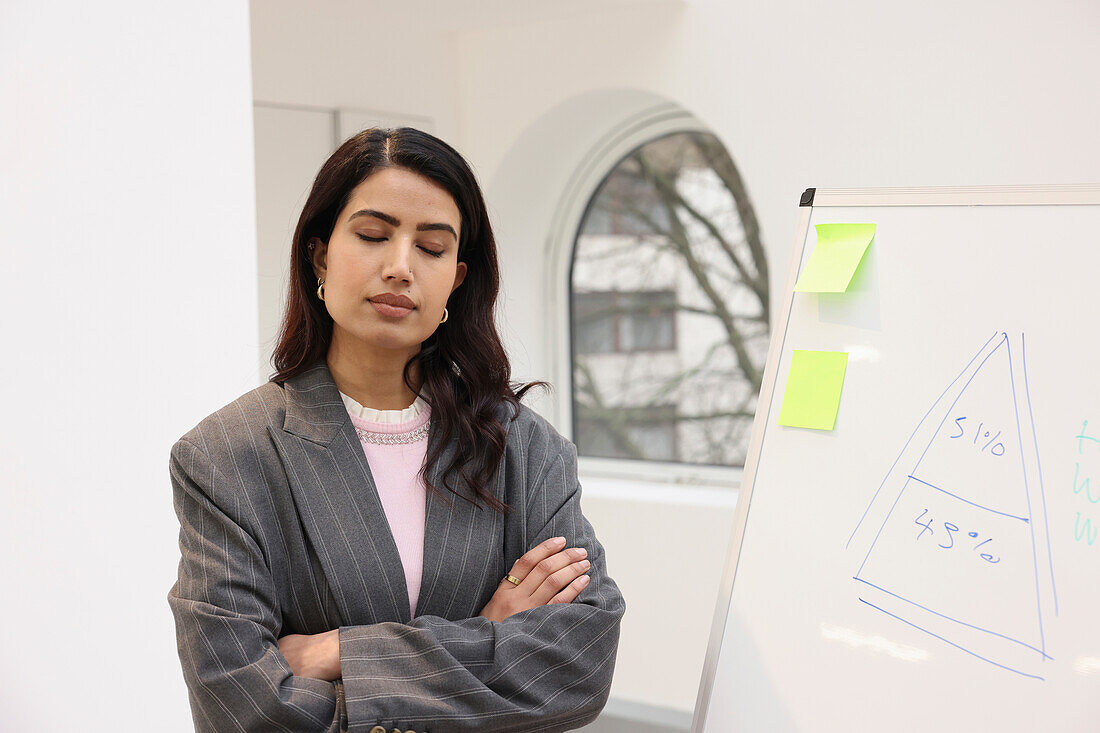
545, 669
225, 613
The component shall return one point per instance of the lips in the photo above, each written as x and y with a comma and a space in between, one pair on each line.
399, 301
392, 305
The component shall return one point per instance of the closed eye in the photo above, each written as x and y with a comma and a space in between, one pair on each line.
365, 238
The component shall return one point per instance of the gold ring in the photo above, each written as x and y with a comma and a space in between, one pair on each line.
512, 579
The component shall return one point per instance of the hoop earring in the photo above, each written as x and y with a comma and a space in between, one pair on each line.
321, 289
446, 315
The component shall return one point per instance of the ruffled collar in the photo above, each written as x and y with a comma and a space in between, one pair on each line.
369, 414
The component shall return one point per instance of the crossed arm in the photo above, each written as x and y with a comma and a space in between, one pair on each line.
549, 573
532, 660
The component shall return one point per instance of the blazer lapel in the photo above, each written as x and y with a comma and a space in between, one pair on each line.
338, 502
463, 545
343, 517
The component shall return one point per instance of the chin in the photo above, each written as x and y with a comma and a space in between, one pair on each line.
394, 339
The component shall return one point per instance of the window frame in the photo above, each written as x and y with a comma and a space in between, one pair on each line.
637, 130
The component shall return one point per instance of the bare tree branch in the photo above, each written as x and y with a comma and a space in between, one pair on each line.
679, 240
627, 309
663, 390
719, 160
646, 196
613, 419
668, 191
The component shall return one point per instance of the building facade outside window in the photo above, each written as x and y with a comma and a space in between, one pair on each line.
624, 321
669, 308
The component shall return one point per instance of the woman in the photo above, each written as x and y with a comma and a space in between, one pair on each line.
382, 537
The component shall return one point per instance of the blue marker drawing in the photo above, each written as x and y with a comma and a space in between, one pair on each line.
955, 535
1039, 466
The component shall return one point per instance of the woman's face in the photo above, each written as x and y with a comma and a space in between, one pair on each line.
396, 240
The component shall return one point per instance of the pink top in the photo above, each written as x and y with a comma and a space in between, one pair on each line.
395, 443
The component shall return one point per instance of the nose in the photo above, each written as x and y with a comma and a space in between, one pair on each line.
398, 265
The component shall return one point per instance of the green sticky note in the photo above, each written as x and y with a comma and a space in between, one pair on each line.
839, 250
814, 383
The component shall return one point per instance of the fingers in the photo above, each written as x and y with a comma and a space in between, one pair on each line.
571, 591
562, 577
549, 560
551, 573
523, 567
546, 569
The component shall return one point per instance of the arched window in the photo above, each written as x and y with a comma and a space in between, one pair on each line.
669, 308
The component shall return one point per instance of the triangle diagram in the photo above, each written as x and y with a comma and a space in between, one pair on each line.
951, 545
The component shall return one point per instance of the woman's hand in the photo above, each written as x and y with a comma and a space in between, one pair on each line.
548, 574
313, 655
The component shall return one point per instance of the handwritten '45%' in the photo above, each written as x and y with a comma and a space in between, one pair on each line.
947, 533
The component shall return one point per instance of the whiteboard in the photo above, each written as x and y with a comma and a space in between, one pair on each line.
932, 563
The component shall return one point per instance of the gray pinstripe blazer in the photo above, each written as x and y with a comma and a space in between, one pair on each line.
282, 532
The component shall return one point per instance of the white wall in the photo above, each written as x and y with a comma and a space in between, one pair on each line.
848, 93
291, 145
394, 59
128, 293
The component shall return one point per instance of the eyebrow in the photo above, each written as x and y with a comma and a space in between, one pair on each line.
394, 221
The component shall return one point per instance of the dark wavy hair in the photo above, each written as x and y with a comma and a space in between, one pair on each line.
463, 367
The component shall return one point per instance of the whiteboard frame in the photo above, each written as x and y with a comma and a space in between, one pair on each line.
1038, 195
